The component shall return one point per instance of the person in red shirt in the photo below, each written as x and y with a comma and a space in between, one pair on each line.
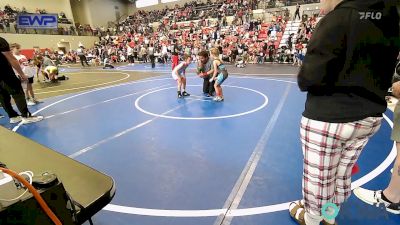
175, 56
299, 46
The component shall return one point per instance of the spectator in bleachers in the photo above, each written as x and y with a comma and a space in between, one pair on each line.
297, 12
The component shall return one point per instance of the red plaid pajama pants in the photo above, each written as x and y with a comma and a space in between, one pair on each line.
330, 151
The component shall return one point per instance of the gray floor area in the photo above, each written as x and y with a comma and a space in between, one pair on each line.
265, 69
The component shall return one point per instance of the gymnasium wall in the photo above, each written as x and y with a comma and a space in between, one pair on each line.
51, 6
98, 12
29, 41
133, 9
81, 12
292, 9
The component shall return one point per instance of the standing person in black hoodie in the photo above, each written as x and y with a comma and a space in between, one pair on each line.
390, 196
346, 74
297, 12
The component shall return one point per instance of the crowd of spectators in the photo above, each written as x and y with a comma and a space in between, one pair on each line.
189, 11
246, 38
282, 3
195, 10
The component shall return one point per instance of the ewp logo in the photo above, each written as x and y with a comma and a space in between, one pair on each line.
37, 21
372, 15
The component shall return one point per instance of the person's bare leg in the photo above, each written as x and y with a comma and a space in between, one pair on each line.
179, 86
392, 192
216, 89
37, 75
28, 90
184, 83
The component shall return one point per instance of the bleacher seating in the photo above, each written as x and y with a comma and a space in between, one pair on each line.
292, 27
